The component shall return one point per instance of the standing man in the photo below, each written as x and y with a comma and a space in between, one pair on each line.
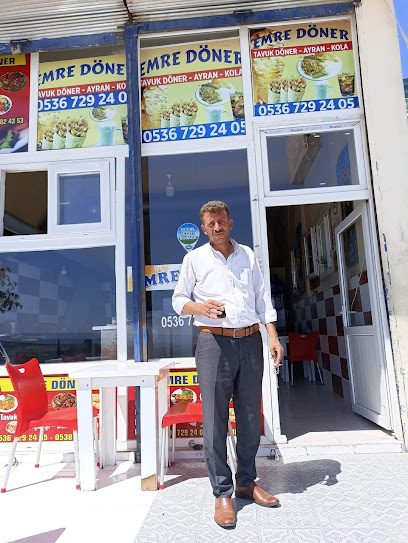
230, 302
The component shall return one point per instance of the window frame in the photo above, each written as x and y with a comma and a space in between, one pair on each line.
106, 193
315, 194
65, 235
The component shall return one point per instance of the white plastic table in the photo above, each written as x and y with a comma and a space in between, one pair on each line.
152, 379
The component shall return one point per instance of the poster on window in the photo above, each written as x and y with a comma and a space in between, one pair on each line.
162, 276
82, 103
303, 68
14, 103
61, 393
184, 389
192, 91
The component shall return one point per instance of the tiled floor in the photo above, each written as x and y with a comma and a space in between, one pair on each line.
354, 498
338, 499
311, 414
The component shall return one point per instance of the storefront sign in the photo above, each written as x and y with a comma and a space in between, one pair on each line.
61, 393
303, 68
162, 277
192, 91
188, 234
14, 103
82, 103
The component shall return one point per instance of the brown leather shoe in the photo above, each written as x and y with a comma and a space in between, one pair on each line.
255, 493
224, 514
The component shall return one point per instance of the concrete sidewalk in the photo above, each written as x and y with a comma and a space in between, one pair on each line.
327, 498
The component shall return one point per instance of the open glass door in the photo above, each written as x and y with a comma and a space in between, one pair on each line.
362, 328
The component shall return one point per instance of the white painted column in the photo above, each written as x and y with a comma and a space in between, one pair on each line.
388, 142
87, 470
149, 436
107, 415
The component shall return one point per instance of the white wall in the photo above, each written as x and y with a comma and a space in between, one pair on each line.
388, 141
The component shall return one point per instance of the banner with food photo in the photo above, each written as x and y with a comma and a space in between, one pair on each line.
14, 103
184, 388
302, 68
82, 103
192, 91
61, 394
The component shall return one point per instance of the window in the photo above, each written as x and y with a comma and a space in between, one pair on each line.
79, 197
76, 197
174, 189
58, 305
25, 204
316, 160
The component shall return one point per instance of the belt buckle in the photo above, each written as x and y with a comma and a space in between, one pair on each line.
233, 333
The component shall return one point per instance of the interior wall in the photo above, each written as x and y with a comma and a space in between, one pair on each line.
318, 307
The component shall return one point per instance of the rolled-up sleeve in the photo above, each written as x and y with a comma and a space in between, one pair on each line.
263, 303
185, 285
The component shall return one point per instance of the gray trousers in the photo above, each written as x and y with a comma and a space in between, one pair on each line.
230, 368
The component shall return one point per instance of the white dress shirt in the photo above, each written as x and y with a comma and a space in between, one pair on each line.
236, 281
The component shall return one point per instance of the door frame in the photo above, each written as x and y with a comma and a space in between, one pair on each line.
363, 193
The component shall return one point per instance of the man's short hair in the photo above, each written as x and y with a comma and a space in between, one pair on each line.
215, 206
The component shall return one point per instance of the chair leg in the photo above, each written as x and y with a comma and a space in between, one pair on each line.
96, 441
167, 454
173, 446
291, 373
162, 458
320, 373
76, 456
231, 437
40, 442
10, 463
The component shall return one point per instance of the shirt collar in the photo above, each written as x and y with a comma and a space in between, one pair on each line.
235, 246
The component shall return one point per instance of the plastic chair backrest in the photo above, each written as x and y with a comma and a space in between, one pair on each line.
29, 387
302, 346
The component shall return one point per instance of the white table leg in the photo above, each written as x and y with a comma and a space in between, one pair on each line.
108, 426
87, 471
149, 436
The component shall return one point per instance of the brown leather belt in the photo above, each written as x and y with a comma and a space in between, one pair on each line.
230, 332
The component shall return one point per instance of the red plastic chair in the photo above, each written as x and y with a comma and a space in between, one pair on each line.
180, 413
303, 347
33, 412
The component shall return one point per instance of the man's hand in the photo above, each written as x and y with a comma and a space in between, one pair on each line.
276, 350
275, 347
212, 309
